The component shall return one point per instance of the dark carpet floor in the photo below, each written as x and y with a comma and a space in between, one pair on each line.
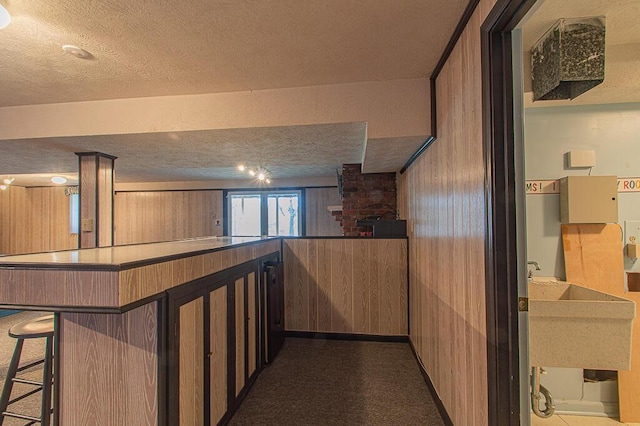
326, 382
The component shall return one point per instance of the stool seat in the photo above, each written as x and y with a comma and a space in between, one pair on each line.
33, 328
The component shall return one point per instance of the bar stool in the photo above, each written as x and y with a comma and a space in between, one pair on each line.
31, 329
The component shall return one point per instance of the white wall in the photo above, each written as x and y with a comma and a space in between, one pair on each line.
613, 132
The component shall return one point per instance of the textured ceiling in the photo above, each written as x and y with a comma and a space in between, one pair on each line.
151, 48
622, 53
285, 152
145, 48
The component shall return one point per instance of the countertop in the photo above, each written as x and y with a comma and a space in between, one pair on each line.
123, 257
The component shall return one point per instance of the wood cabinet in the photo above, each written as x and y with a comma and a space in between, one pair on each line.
215, 343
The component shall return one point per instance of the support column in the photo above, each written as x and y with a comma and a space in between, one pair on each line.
96, 177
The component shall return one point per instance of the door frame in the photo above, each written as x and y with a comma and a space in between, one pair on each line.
501, 195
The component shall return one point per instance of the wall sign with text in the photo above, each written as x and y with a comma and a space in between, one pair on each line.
552, 186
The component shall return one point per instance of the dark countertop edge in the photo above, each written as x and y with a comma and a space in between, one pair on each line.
344, 238
65, 309
124, 266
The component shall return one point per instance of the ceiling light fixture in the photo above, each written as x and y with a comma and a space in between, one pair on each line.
59, 180
260, 173
5, 20
76, 51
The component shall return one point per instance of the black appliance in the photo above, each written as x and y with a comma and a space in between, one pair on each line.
274, 272
386, 228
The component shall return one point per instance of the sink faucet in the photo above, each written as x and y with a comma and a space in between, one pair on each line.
535, 264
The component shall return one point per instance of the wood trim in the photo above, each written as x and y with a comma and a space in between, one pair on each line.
95, 154
347, 336
331, 237
501, 273
55, 406
284, 188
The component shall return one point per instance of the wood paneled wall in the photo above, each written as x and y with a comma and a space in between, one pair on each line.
142, 217
319, 221
346, 285
13, 220
34, 220
442, 197
114, 387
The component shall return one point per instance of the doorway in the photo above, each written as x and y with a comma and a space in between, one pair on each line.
506, 145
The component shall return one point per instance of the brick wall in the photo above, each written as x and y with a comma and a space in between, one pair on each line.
366, 196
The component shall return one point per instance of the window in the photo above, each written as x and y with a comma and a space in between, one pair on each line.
74, 213
246, 212
273, 213
284, 214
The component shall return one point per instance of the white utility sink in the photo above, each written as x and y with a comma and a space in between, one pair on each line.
575, 326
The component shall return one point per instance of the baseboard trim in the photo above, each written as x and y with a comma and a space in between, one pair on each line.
441, 408
347, 336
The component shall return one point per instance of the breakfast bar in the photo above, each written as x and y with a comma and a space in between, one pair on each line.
143, 332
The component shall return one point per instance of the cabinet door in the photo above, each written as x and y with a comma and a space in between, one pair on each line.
218, 352
240, 317
191, 363
252, 324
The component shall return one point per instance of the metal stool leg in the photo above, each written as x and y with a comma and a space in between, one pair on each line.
11, 374
47, 379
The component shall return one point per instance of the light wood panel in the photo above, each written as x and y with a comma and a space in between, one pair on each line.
88, 199
319, 221
96, 199
34, 220
252, 323
442, 197
13, 220
346, 285
112, 373
240, 330
142, 217
218, 350
593, 258
191, 392
41, 287
104, 178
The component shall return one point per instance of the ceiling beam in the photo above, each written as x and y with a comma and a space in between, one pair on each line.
391, 109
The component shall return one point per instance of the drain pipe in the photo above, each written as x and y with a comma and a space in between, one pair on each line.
536, 390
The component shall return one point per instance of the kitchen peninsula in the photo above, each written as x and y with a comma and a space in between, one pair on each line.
145, 331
